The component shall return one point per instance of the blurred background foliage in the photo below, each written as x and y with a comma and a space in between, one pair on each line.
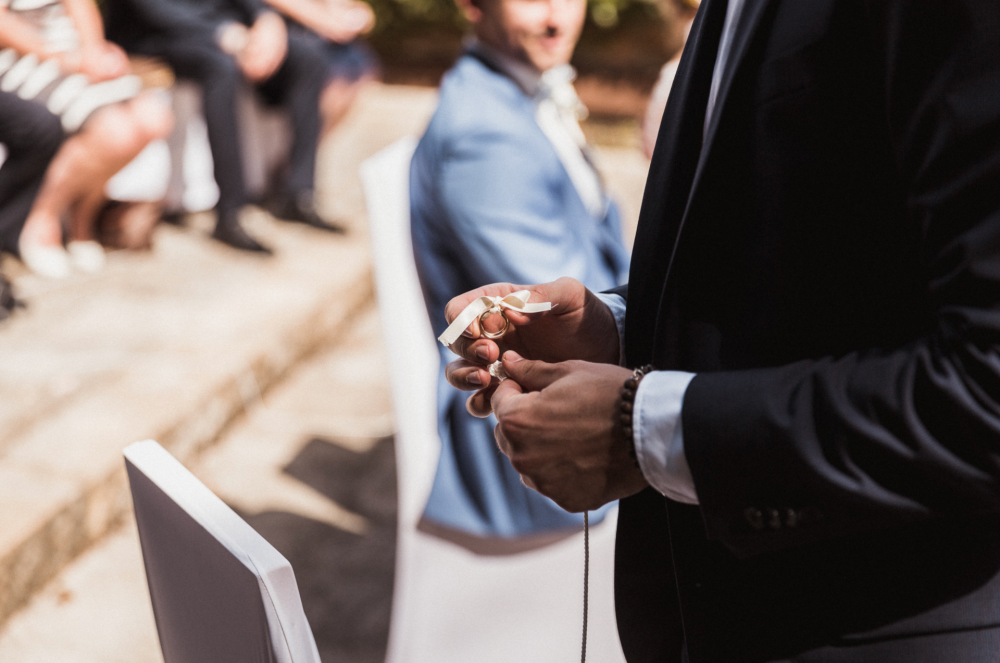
625, 41
395, 15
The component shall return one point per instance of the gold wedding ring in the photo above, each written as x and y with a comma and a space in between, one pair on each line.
497, 334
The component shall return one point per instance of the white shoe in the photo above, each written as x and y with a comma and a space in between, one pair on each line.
52, 262
87, 256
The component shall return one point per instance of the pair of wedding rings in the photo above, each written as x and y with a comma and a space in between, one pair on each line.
497, 334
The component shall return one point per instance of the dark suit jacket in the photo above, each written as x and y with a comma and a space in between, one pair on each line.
829, 265
134, 23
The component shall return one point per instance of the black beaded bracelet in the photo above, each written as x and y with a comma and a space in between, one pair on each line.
627, 407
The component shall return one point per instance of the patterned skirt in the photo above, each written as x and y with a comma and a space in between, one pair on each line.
72, 98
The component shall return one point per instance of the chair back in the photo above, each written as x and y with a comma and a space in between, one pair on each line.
220, 592
409, 341
451, 605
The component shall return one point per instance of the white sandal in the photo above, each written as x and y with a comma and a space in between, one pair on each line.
52, 261
87, 256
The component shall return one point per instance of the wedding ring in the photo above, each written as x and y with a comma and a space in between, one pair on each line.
497, 334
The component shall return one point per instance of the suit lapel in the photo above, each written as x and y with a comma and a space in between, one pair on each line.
676, 174
671, 173
749, 23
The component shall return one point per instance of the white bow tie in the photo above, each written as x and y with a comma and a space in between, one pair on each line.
556, 84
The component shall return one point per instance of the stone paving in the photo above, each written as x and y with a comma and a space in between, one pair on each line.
264, 376
168, 344
310, 467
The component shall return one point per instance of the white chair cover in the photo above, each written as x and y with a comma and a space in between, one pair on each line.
220, 592
450, 604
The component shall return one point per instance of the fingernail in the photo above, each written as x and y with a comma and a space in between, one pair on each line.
475, 379
512, 357
483, 353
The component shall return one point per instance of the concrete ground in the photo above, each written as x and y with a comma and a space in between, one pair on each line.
311, 468
265, 377
168, 344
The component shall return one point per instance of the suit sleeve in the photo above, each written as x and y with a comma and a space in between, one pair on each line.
821, 449
173, 18
250, 9
182, 21
508, 211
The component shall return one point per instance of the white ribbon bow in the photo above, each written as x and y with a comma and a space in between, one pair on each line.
517, 301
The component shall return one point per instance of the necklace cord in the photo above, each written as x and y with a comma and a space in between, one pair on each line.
586, 581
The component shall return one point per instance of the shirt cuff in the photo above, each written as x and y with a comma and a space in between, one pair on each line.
659, 440
617, 305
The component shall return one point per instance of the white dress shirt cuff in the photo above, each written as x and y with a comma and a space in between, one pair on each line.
659, 440
617, 305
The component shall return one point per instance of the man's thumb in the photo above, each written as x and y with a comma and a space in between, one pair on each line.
531, 375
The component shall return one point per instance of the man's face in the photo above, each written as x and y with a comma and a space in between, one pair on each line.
538, 32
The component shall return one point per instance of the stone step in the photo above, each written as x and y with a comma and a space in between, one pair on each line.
171, 345
311, 468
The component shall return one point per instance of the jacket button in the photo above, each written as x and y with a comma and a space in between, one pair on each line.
773, 519
754, 517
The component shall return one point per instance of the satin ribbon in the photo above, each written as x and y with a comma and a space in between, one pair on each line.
517, 301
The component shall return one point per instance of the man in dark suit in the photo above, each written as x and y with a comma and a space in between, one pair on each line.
817, 277
220, 44
31, 136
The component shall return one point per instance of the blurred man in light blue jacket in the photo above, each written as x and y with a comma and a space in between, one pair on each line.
503, 189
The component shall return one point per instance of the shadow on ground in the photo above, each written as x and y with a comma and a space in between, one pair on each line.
345, 580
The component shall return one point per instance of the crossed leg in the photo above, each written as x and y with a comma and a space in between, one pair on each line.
74, 183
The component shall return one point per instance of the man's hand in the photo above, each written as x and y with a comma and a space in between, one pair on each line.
103, 62
233, 38
560, 427
266, 47
579, 326
344, 20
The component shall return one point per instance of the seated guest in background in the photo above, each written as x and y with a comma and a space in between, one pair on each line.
221, 44
32, 136
682, 12
55, 57
503, 189
350, 61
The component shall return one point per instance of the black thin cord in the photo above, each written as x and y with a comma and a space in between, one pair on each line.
586, 580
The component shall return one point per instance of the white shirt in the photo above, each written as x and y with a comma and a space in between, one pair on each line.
558, 111
656, 422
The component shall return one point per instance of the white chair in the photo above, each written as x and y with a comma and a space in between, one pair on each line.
220, 592
450, 604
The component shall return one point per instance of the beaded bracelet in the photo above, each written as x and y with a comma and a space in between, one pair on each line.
627, 406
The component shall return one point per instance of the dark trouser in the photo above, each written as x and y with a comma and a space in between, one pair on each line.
32, 135
296, 87
971, 646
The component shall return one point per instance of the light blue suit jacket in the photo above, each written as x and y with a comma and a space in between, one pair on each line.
491, 202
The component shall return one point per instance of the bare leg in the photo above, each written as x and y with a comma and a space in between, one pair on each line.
83, 215
74, 183
147, 118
